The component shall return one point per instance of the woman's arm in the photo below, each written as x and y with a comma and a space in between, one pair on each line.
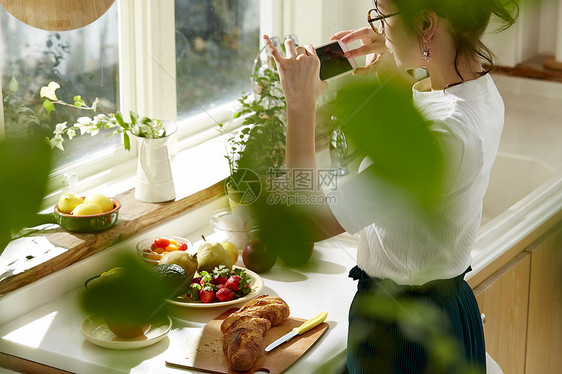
300, 79
299, 71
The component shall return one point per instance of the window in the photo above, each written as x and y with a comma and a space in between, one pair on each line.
216, 43
84, 62
127, 59
187, 60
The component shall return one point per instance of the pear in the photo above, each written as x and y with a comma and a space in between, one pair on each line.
186, 260
211, 255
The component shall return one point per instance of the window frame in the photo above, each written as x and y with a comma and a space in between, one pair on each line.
147, 84
92, 172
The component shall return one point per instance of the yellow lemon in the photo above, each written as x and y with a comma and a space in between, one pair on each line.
68, 202
86, 209
100, 200
232, 250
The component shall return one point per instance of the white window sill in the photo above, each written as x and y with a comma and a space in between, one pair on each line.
198, 174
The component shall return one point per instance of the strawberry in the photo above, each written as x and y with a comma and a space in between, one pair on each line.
220, 280
196, 280
219, 286
225, 294
207, 296
233, 282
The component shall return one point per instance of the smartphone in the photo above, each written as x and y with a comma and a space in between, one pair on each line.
332, 61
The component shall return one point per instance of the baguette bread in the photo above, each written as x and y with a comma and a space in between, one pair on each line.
244, 330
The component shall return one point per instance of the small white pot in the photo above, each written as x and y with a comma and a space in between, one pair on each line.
154, 182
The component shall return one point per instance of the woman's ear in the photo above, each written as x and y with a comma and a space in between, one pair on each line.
428, 25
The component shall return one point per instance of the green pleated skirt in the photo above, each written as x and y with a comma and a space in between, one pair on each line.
434, 328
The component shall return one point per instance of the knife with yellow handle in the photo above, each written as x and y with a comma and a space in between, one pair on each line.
308, 325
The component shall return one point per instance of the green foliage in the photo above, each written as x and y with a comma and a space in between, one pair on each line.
244, 284
139, 126
22, 75
193, 291
25, 165
260, 145
384, 124
135, 295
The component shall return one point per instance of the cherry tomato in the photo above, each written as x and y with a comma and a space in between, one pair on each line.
182, 246
152, 256
159, 250
162, 242
171, 248
172, 241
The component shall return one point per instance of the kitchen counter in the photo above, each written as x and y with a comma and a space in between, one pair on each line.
51, 334
41, 322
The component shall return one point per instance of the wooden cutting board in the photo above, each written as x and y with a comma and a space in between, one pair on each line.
203, 352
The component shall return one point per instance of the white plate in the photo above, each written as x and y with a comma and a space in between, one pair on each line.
96, 331
256, 287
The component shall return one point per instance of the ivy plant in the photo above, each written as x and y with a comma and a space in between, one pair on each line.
260, 144
135, 125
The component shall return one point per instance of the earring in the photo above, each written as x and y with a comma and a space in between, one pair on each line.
426, 52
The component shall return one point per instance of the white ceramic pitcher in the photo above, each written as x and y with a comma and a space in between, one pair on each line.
154, 182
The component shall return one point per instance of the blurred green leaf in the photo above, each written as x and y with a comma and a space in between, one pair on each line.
78, 101
95, 104
383, 123
133, 295
126, 141
48, 106
13, 86
25, 164
284, 230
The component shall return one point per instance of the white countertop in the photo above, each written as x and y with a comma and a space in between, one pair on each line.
41, 322
51, 333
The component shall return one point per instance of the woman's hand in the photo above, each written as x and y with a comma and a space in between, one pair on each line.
372, 46
299, 71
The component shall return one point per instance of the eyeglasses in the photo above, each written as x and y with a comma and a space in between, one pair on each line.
376, 20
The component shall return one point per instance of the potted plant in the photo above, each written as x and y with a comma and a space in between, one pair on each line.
259, 147
154, 174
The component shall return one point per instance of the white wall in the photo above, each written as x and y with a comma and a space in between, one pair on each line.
314, 21
534, 32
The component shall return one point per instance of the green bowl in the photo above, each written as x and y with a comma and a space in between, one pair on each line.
89, 223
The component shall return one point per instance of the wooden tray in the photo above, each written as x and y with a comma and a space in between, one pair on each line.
203, 352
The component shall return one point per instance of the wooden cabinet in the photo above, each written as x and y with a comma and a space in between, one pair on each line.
522, 304
503, 299
544, 328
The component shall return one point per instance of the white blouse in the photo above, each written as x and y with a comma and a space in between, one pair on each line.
405, 245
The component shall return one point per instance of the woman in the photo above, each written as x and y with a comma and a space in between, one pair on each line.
410, 262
